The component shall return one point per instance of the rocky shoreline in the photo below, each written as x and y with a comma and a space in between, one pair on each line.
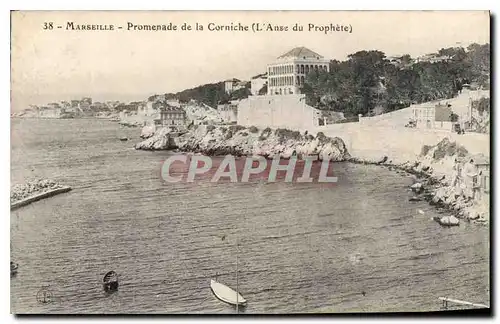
434, 169
435, 180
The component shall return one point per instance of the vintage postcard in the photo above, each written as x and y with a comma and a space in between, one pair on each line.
250, 162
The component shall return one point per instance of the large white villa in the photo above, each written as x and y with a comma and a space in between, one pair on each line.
287, 74
284, 105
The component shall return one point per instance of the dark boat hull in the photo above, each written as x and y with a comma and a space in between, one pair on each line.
110, 281
110, 286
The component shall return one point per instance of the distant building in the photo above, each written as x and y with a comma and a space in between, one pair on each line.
173, 102
65, 104
49, 112
432, 58
433, 116
228, 112
147, 109
112, 103
482, 182
96, 106
85, 104
287, 74
257, 83
171, 116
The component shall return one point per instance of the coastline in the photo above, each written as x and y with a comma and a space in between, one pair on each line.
434, 168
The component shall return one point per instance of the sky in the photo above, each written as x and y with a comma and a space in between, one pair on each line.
60, 64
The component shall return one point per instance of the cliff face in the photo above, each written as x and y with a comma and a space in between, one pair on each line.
445, 179
239, 140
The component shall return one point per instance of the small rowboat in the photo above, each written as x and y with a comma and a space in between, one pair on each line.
13, 268
110, 281
123, 139
226, 294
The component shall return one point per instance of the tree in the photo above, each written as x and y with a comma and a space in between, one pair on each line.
367, 80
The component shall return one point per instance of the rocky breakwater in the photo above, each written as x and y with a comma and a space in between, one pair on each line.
242, 141
130, 123
446, 176
24, 194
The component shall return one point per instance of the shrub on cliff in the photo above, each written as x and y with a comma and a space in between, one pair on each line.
286, 134
253, 129
210, 128
236, 128
265, 134
425, 150
321, 136
447, 148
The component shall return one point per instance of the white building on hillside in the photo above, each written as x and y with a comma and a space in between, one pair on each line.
290, 111
257, 83
232, 85
148, 109
287, 74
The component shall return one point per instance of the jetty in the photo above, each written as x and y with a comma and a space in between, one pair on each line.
39, 196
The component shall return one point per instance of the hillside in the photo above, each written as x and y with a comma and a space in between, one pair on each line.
368, 83
210, 94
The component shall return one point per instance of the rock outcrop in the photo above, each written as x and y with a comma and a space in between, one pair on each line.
242, 141
147, 131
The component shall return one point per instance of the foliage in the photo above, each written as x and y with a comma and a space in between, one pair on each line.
242, 93
263, 90
229, 134
265, 134
253, 129
236, 128
285, 134
425, 149
210, 94
482, 105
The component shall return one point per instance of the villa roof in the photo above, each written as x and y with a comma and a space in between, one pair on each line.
301, 52
262, 75
480, 159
